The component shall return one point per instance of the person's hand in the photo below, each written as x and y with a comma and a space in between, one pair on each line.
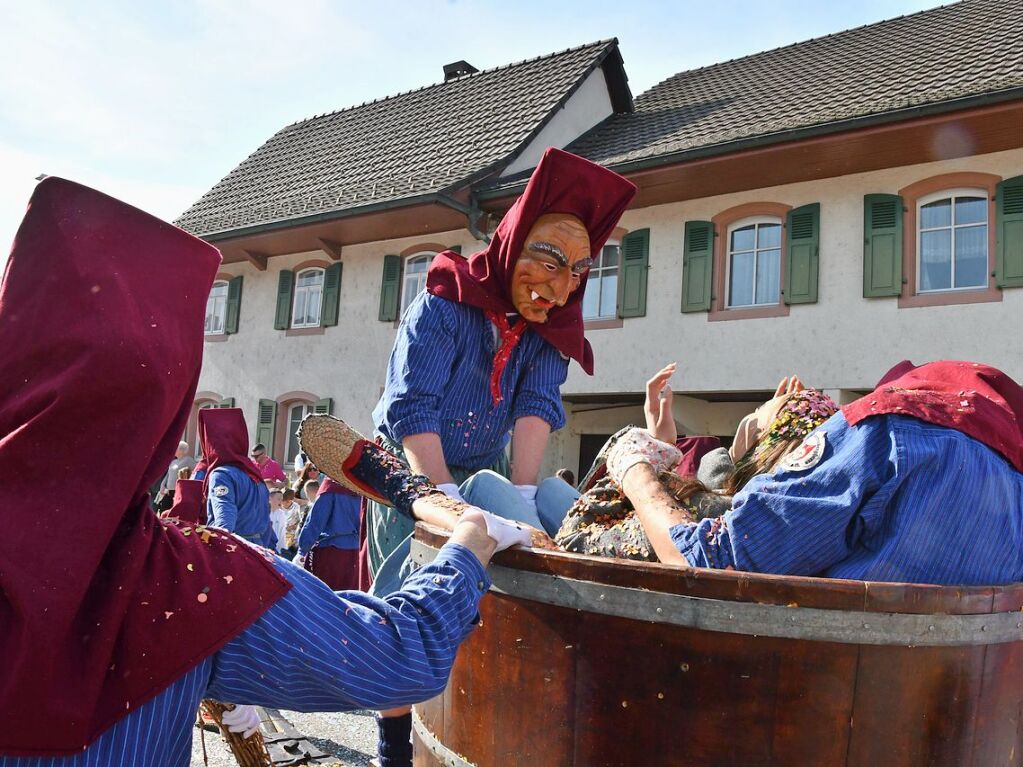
788, 385
528, 493
746, 436
660, 421
505, 532
639, 446
299, 559
450, 489
242, 719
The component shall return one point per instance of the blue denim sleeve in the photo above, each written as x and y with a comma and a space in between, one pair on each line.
317, 650
799, 522
539, 393
314, 524
420, 367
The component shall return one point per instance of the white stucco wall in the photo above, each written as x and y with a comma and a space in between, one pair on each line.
842, 342
590, 104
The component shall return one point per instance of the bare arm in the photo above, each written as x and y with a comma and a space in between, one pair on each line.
657, 511
529, 440
425, 455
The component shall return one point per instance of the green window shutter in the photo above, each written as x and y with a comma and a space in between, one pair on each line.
390, 285
234, 304
266, 423
331, 295
697, 266
882, 245
226, 402
632, 273
456, 248
802, 227
1009, 233
285, 292
324, 406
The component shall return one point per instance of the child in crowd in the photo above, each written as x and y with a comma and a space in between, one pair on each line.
292, 523
278, 518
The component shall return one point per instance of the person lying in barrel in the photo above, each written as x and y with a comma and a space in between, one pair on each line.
919, 481
602, 521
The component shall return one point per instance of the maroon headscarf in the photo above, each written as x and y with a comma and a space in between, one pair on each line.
224, 439
189, 502
101, 317
561, 183
977, 400
328, 486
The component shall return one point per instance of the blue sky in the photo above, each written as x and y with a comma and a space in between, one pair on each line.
155, 102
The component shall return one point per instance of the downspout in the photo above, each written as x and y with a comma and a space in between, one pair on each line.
472, 214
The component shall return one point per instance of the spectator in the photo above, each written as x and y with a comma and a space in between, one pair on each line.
310, 491
308, 472
293, 522
182, 460
566, 475
278, 518
269, 469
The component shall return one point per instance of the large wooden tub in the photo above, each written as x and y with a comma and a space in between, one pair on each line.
590, 662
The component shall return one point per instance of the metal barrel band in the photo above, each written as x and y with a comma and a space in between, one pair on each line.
445, 755
751, 618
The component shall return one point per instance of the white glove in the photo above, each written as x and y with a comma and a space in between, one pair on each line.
506, 532
243, 719
450, 489
528, 493
299, 559
638, 446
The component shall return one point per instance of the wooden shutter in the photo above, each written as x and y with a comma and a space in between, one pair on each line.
882, 245
697, 266
1009, 233
632, 273
331, 295
324, 406
390, 289
266, 424
285, 293
234, 304
802, 227
226, 402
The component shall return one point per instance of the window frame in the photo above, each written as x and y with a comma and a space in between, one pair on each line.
219, 281
953, 195
289, 460
929, 189
742, 223
294, 297
722, 224
612, 242
403, 299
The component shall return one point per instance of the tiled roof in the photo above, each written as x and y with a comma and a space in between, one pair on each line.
415, 143
970, 48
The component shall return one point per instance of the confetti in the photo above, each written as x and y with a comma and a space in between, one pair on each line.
201, 597
167, 614
190, 567
228, 579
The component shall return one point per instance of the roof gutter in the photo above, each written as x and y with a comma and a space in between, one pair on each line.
799, 134
471, 211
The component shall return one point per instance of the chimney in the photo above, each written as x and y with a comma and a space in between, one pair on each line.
458, 69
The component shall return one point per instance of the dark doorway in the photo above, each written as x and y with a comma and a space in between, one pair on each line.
589, 446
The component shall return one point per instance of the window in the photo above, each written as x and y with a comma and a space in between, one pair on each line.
296, 413
216, 309
952, 241
308, 299
414, 280
600, 302
754, 263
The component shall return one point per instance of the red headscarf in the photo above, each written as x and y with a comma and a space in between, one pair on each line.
978, 400
189, 502
224, 439
101, 315
561, 183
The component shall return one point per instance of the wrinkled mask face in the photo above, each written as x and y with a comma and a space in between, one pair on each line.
554, 259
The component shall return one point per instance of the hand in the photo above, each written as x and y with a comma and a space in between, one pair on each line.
243, 719
528, 493
660, 420
505, 532
299, 559
450, 489
638, 446
789, 385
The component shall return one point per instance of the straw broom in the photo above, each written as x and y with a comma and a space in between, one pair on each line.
249, 752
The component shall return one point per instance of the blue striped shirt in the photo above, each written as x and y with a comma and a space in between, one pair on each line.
332, 521
314, 650
237, 504
438, 381
892, 499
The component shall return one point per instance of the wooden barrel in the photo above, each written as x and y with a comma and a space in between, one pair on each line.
589, 661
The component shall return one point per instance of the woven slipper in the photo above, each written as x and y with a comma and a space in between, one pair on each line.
336, 448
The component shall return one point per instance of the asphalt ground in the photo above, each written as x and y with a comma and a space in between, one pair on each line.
352, 738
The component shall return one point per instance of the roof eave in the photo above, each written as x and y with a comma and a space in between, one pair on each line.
780, 137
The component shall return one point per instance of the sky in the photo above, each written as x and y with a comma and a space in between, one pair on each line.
154, 102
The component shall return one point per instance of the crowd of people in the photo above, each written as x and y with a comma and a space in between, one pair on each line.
919, 481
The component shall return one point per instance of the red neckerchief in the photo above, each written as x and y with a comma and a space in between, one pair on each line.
510, 337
